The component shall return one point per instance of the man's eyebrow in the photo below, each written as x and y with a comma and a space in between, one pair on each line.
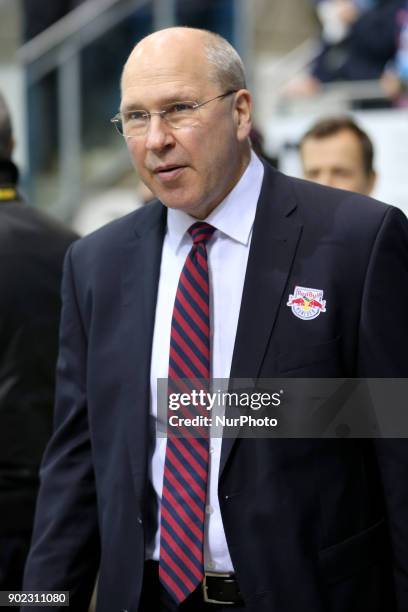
130, 107
167, 100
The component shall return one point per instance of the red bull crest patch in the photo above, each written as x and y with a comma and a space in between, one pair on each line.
307, 303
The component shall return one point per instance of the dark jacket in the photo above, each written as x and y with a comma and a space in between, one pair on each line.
364, 53
32, 248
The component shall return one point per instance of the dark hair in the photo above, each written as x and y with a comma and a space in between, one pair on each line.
5, 130
329, 126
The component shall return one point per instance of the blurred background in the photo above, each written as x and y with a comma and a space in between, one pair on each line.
61, 60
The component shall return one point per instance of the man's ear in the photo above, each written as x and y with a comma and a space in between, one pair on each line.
242, 113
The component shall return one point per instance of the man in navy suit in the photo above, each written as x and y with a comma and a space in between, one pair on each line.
306, 524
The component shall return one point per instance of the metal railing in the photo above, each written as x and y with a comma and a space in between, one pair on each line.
82, 26
332, 97
58, 49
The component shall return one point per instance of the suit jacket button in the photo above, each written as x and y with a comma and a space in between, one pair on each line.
140, 521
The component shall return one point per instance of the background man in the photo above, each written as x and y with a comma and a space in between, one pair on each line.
197, 284
32, 248
336, 152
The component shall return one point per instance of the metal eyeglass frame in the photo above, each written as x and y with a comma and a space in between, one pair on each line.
117, 119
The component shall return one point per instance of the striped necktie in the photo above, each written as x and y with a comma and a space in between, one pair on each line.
181, 565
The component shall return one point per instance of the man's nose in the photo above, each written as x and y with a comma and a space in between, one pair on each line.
159, 134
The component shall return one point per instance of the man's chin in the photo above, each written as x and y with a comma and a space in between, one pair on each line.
178, 204
185, 204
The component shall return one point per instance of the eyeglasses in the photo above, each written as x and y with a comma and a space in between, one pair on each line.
178, 115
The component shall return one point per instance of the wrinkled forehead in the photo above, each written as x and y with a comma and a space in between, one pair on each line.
155, 73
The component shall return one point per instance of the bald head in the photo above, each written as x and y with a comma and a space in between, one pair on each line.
206, 50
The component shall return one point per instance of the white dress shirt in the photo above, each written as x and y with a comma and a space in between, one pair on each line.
227, 251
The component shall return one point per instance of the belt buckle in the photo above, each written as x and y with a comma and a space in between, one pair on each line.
205, 588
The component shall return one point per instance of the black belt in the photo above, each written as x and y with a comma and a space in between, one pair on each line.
217, 588
221, 589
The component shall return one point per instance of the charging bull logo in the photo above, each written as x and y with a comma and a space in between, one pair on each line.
307, 303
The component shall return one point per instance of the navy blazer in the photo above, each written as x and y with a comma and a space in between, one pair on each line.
311, 524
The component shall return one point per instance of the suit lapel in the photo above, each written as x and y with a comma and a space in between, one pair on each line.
273, 247
140, 270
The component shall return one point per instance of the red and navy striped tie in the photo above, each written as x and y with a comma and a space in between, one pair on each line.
186, 464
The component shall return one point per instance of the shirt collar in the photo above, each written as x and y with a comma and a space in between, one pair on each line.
234, 216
